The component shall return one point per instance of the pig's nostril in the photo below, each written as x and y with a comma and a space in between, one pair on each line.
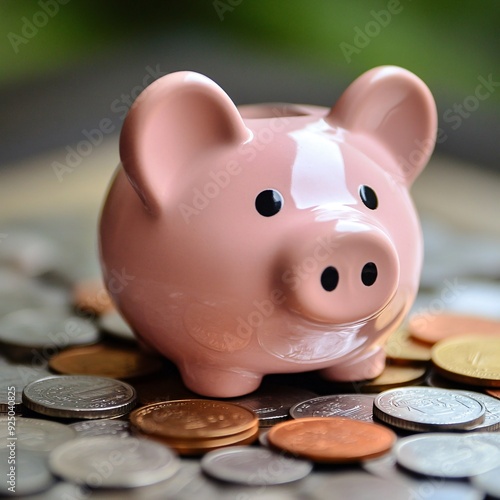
369, 274
329, 278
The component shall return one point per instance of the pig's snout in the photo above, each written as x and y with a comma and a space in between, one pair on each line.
343, 276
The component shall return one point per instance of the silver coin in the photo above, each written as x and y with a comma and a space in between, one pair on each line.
46, 327
14, 378
355, 406
112, 462
492, 413
104, 427
254, 466
273, 403
428, 488
23, 473
113, 324
488, 482
79, 396
447, 455
427, 409
33, 434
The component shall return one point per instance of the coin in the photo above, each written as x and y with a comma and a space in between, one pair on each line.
254, 466
427, 409
422, 487
79, 396
395, 376
401, 348
469, 359
199, 446
105, 361
447, 454
113, 462
193, 418
102, 427
113, 323
488, 482
29, 475
46, 327
332, 439
272, 404
34, 434
494, 393
91, 295
14, 378
356, 406
431, 328
492, 413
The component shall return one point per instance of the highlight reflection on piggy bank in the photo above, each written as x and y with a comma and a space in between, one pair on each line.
268, 238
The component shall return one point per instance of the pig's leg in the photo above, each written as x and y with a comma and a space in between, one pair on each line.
219, 383
366, 365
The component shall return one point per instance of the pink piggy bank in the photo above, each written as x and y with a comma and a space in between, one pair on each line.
271, 238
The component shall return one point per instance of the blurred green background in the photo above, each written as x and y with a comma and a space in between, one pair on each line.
256, 49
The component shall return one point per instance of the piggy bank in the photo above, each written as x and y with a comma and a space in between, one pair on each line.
269, 238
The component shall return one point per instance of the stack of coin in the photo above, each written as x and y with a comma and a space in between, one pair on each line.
195, 426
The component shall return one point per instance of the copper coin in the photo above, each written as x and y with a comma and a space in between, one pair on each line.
434, 327
332, 439
395, 376
198, 446
193, 418
401, 348
493, 392
105, 361
91, 295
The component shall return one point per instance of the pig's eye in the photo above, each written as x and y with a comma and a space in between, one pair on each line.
269, 202
368, 197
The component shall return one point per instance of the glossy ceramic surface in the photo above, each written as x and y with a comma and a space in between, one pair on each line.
268, 238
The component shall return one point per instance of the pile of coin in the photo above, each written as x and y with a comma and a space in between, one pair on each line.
94, 415
195, 426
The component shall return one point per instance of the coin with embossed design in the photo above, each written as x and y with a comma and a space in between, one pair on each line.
332, 439
469, 359
356, 406
427, 408
79, 396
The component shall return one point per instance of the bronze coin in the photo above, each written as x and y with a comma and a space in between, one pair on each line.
198, 446
105, 361
91, 295
332, 439
434, 327
193, 418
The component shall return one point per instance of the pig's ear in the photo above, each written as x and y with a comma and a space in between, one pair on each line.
394, 107
175, 119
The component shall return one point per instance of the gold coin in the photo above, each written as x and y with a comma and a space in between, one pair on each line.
431, 328
395, 376
469, 359
105, 361
193, 418
401, 348
332, 439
